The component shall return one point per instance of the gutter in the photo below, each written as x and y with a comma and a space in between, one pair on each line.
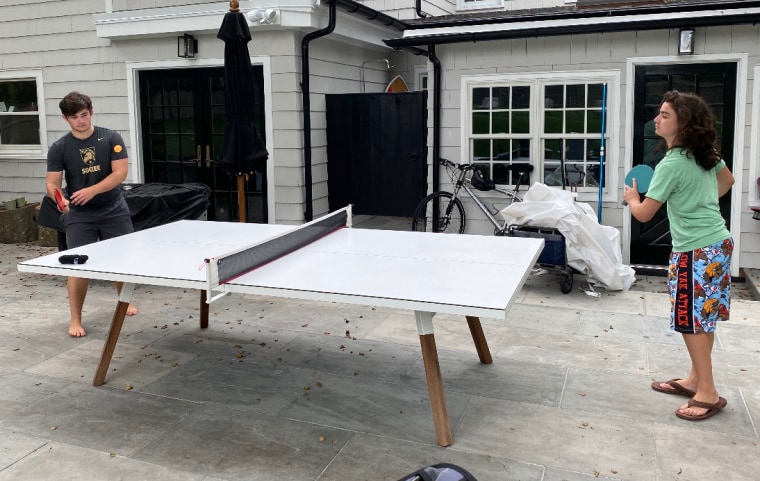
475, 28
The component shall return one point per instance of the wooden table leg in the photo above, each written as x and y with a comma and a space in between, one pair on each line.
481, 345
113, 334
204, 310
433, 375
435, 388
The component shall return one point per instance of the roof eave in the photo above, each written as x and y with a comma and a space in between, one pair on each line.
546, 28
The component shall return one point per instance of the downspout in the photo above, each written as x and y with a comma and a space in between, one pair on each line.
430, 53
418, 9
436, 116
305, 90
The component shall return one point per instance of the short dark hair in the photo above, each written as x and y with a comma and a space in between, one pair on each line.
74, 102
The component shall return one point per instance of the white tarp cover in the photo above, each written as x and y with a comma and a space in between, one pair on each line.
592, 249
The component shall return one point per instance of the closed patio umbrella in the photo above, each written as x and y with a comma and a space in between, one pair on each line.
243, 150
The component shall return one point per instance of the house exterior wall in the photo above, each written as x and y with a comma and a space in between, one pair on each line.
55, 39
60, 44
618, 52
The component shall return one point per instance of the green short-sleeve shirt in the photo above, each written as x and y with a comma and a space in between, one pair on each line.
691, 193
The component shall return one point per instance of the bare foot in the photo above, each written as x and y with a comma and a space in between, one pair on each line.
76, 330
697, 411
132, 310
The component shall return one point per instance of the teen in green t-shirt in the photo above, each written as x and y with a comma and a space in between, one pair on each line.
690, 179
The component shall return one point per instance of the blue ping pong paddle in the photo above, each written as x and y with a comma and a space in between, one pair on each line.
643, 175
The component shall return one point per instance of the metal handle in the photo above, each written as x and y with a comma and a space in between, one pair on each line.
208, 156
198, 154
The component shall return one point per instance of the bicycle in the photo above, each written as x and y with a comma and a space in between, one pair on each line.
442, 211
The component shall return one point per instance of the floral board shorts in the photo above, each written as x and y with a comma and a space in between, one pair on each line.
700, 287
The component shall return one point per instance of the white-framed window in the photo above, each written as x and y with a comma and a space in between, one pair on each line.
551, 120
478, 4
22, 114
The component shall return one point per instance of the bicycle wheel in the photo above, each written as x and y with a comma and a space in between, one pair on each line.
450, 219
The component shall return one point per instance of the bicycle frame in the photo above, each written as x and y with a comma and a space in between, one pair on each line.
500, 228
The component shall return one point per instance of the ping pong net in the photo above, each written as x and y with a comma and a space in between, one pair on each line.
223, 269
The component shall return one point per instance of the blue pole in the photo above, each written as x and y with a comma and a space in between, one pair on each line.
601, 153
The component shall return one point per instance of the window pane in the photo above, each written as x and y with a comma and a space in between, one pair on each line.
156, 121
19, 129
593, 146
500, 98
157, 148
500, 122
480, 123
481, 98
481, 149
19, 120
576, 96
172, 148
553, 122
576, 149
594, 118
553, 149
186, 120
595, 95
520, 122
554, 96
189, 151
575, 122
521, 150
656, 87
520, 97
18, 96
502, 149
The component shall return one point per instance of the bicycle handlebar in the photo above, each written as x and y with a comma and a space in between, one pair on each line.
515, 168
448, 163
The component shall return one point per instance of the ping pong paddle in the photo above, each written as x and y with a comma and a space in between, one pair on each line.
73, 259
643, 175
59, 200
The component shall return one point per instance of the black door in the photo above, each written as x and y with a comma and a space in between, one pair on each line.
716, 83
376, 152
182, 122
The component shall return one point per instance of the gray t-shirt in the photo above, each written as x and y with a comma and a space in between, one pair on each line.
87, 162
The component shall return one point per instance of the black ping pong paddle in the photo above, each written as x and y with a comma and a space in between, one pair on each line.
73, 259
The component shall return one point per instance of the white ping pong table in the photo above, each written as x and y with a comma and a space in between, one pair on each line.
428, 273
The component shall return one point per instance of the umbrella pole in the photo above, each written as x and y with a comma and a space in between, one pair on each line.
241, 197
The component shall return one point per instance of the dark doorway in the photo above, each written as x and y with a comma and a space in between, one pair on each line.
716, 83
377, 152
182, 122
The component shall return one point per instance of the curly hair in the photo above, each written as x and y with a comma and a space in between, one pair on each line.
696, 127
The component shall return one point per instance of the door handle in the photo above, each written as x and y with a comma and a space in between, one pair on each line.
208, 155
198, 154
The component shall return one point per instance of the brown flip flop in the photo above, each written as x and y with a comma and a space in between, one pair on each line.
713, 409
677, 388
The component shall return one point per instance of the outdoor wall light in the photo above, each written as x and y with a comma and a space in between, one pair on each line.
187, 46
686, 41
269, 16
